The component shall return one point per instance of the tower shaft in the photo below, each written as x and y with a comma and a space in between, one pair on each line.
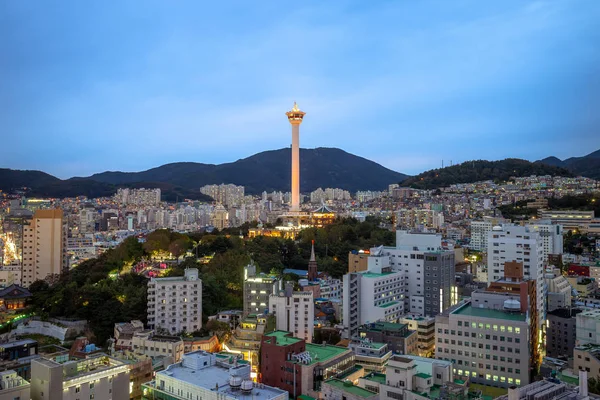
295, 206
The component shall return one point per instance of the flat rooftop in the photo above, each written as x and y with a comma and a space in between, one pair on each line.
210, 376
471, 311
350, 388
282, 338
324, 353
375, 377
383, 326
18, 343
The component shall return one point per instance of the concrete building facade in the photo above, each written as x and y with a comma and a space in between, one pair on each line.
487, 346
175, 303
44, 246
294, 312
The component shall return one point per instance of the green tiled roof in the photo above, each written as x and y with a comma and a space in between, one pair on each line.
375, 275
422, 375
350, 388
375, 377
283, 339
471, 311
320, 353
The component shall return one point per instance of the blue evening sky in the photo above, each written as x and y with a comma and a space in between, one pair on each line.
128, 85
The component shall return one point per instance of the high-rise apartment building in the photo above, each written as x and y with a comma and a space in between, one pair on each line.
44, 246
294, 312
551, 237
372, 295
175, 303
140, 197
417, 218
427, 265
480, 230
257, 289
227, 194
220, 217
513, 243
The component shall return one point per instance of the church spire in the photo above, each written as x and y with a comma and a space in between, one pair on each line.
312, 264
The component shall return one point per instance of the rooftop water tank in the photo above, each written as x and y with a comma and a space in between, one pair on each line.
247, 386
512, 305
235, 382
497, 228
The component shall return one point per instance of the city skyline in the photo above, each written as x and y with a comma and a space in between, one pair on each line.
119, 88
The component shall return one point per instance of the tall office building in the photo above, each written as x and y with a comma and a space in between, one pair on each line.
175, 304
513, 243
294, 312
44, 246
486, 345
295, 116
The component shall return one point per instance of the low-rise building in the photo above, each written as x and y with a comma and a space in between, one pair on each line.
587, 358
298, 367
124, 331
337, 389
169, 347
208, 376
97, 377
588, 327
559, 290
399, 338
425, 328
415, 378
13, 387
373, 356
207, 343
17, 356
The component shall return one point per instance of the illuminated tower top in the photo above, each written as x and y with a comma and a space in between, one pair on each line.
295, 115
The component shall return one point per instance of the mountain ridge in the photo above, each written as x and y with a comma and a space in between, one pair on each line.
264, 171
588, 165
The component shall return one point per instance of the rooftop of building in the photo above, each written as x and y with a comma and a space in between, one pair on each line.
215, 377
97, 363
375, 377
347, 386
423, 375
324, 352
383, 326
434, 392
375, 274
468, 310
18, 343
595, 314
283, 338
565, 312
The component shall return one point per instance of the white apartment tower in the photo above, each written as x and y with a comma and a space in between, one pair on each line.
175, 304
480, 231
427, 267
515, 243
294, 312
373, 295
551, 237
44, 246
